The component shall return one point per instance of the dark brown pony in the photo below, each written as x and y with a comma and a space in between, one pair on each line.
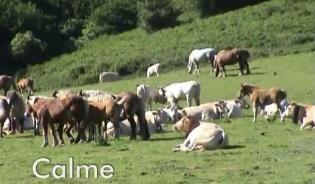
4, 113
261, 97
5, 83
133, 105
26, 83
231, 57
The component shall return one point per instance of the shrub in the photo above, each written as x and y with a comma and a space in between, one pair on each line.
25, 48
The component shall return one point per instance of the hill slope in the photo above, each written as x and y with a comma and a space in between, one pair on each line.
276, 27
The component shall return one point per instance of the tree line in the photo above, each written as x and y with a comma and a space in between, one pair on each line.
32, 31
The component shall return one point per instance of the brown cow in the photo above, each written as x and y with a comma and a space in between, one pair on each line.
303, 114
5, 83
133, 105
261, 97
26, 83
186, 124
231, 57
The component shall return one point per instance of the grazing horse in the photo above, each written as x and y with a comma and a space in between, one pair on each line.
4, 113
261, 97
5, 83
17, 109
231, 57
26, 83
133, 105
197, 55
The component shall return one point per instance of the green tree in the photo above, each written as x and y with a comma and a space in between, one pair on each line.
26, 49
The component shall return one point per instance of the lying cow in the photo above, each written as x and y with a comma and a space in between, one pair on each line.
184, 90
303, 114
270, 111
95, 95
206, 111
109, 77
153, 69
147, 94
204, 136
234, 107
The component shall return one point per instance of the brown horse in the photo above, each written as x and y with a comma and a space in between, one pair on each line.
133, 105
17, 109
71, 110
104, 111
5, 83
261, 97
4, 112
26, 83
231, 57
33, 104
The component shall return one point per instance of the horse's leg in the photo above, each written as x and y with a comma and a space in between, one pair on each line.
45, 132
247, 67
53, 133
68, 132
21, 125
133, 127
188, 99
99, 132
81, 132
60, 131
1, 128
255, 112
241, 65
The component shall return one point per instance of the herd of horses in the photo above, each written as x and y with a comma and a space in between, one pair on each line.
88, 110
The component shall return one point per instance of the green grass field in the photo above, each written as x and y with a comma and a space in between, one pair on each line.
260, 152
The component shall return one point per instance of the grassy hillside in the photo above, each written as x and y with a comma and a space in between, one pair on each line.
260, 152
276, 27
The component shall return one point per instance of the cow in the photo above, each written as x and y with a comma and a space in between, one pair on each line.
147, 94
303, 114
153, 69
109, 77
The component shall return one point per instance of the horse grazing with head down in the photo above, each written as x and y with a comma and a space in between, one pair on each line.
231, 57
261, 97
5, 83
198, 55
26, 83
133, 105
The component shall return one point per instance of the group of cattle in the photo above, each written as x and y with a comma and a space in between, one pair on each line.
105, 115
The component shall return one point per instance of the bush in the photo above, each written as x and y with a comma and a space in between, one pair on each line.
27, 49
157, 14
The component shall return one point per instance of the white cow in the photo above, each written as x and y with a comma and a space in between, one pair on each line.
235, 107
147, 94
182, 90
109, 77
95, 95
197, 55
270, 111
302, 114
153, 69
27, 120
205, 136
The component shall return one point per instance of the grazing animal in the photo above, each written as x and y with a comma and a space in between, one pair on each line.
109, 77
133, 105
235, 107
147, 94
5, 83
26, 83
303, 114
231, 57
198, 55
153, 69
4, 113
261, 97
176, 91
61, 94
104, 111
205, 136
17, 109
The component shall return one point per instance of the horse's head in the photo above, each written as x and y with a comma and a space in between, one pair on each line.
242, 103
12, 97
246, 90
160, 97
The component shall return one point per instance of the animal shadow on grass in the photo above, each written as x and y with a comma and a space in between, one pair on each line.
167, 138
24, 136
233, 146
252, 73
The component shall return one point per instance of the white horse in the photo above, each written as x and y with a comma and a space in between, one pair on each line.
198, 55
176, 91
